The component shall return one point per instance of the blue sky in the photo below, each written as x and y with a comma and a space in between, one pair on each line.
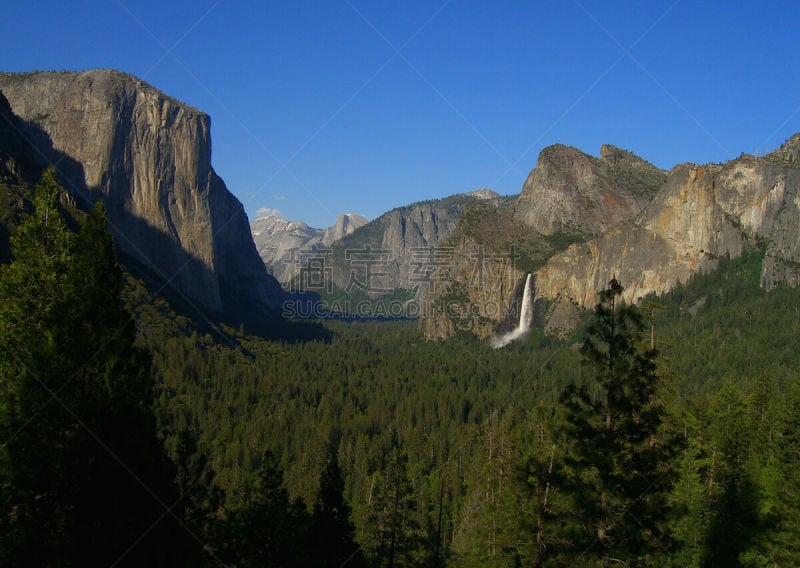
321, 107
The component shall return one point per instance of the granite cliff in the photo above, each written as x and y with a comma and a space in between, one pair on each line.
568, 197
698, 215
396, 250
476, 279
573, 191
346, 224
628, 219
148, 157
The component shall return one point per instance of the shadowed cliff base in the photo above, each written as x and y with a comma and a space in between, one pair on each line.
241, 315
25, 152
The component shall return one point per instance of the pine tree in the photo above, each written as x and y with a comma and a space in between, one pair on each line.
782, 545
541, 471
689, 511
270, 529
200, 498
619, 459
494, 528
31, 290
733, 494
86, 480
770, 479
395, 537
331, 532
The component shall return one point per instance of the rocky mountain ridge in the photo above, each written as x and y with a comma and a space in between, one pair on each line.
148, 157
700, 214
571, 190
649, 228
578, 221
280, 242
387, 254
396, 250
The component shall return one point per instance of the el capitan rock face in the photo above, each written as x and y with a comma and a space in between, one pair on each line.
148, 157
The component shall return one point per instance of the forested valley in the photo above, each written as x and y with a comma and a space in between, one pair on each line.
660, 435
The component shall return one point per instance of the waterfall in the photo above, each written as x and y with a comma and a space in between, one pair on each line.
525, 311
525, 317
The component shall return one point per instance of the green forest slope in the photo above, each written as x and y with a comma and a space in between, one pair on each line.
661, 436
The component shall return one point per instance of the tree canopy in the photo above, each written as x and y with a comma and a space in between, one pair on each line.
132, 435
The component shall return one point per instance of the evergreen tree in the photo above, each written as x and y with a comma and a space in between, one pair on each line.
85, 477
270, 529
541, 471
774, 507
620, 463
783, 489
35, 514
332, 535
396, 538
492, 530
200, 498
733, 494
689, 510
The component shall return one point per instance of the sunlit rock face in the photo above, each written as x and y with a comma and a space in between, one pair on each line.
700, 214
572, 191
648, 228
148, 157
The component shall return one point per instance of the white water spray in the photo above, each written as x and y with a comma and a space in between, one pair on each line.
524, 324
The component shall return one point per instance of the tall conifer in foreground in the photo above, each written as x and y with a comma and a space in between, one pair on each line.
85, 480
34, 443
619, 459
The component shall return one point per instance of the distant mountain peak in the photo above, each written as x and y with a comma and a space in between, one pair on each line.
280, 240
346, 224
272, 224
614, 155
